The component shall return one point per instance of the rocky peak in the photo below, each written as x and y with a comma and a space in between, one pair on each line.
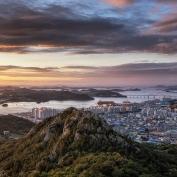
82, 130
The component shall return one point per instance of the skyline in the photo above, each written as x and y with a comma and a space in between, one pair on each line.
88, 43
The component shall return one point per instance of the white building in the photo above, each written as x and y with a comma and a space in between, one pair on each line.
43, 113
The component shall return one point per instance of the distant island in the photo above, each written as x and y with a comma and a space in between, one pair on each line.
102, 93
5, 105
29, 95
170, 88
118, 89
124, 90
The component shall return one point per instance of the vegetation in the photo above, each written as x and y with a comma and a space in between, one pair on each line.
28, 95
103, 93
15, 124
79, 144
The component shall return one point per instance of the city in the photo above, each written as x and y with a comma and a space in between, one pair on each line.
153, 121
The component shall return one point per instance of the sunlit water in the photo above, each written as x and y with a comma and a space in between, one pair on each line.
27, 106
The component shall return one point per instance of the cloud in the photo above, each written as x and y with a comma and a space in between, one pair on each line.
36, 69
57, 28
167, 25
167, 1
138, 69
121, 3
126, 3
142, 74
128, 74
47, 30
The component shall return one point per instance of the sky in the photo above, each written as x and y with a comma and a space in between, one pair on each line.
88, 42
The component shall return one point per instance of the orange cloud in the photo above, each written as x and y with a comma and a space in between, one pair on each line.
127, 74
166, 26
120, 3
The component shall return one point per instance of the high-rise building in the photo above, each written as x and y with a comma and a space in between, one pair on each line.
43, 113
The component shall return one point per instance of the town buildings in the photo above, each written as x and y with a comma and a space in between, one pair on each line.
152, 121
43, 113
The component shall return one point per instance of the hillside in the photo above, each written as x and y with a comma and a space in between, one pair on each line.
14, 124
101, 93
80, 144
29, 95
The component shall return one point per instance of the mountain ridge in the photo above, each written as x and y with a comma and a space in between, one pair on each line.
79, 143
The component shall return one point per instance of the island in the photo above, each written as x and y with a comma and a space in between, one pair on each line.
38, 96
102, 93
5, 105
125, 90
170, 88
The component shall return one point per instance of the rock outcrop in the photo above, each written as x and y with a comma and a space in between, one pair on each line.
83, 131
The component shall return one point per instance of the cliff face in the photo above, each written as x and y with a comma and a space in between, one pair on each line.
74, 143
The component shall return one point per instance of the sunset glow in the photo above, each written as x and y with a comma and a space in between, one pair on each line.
88, 43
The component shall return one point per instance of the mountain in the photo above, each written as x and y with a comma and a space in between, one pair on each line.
29, 95
77, 143
167, 88
102, 93
15, 125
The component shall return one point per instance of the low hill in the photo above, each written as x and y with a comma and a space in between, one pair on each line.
102, 93
14, 124
29, 95
79, 144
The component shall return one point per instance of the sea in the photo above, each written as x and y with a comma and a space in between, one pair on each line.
20, 107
